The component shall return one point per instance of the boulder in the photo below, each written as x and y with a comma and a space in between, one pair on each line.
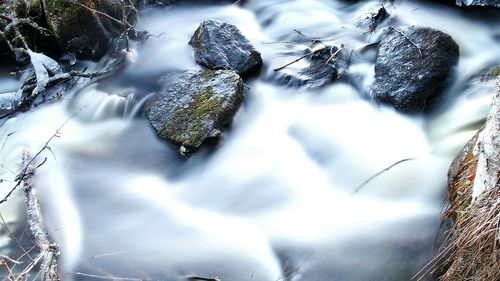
492, 3
219, 45
85, 27
197, 108
413, 67
474, 191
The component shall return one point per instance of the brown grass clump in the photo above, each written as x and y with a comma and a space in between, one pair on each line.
474, 241
471, 251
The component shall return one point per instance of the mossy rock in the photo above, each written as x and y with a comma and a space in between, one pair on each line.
84, 27
493, 73
461, 178
197, 108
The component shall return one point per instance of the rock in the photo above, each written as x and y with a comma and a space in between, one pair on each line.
474, 190
197, 108
31, 9
491, 74
461, 177
80, 29
219, 45
413, 67
492, 3
378, 18
322, 68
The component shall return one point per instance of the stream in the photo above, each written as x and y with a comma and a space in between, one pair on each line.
275, 200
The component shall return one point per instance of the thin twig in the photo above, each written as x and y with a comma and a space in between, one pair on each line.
368, 180
109, 277
2, 257
195, 277
18, 243
334, 55
292, 62
20, 177
102, 14
309, 38
407, 38
4, 17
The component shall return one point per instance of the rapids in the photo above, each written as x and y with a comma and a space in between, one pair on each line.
274, 201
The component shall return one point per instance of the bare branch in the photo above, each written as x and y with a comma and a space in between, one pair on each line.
368, 180
24, 171
195, 277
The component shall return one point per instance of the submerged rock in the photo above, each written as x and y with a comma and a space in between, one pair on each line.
197, 108
413, 67
492, 3
219, 45
325, 65
319, 72
85, 27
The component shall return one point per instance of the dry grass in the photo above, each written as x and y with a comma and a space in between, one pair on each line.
474, 248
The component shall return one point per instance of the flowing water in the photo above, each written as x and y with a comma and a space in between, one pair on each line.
274, 201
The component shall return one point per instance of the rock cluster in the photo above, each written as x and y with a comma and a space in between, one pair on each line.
203, 103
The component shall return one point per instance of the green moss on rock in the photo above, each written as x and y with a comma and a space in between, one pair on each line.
197, 108
493, 73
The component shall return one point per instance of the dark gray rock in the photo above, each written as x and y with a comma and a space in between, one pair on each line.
197, 108
219, 45
322, 69
492, 3
413, 67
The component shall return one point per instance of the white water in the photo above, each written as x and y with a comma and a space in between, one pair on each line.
275, 198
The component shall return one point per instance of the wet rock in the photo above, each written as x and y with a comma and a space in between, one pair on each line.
197, 108
325, 65
413, 67
324, 68
219, 45
492, 3
473, 188
491, 74
85, 27
461, 177
378, 18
